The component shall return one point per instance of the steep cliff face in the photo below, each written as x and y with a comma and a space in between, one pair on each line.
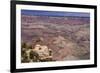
43, 51
67, 37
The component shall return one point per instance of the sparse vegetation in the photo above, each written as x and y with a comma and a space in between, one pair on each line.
35, 54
